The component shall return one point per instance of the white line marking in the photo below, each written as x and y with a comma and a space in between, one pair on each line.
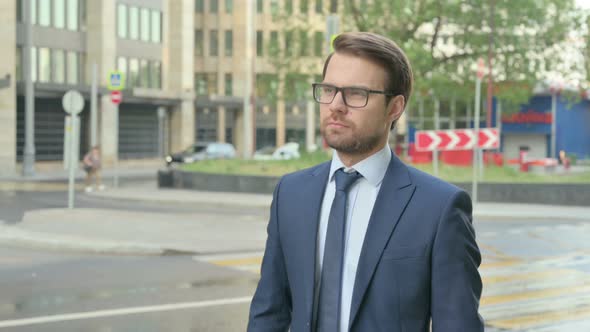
121, 312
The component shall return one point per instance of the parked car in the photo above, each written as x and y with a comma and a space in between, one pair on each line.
202, 151
285, 152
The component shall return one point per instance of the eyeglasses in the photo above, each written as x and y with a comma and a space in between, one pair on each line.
352, 96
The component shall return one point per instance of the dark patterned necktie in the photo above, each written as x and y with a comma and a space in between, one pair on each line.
328, 312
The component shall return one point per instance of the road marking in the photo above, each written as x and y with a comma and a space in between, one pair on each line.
541, 318
122, 312
535, 294
547, 274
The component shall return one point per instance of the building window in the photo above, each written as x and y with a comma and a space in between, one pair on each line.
122, 66
200, 84
289, 6
156, 75
72, 15
156, 26
145, 24
34, 66
59, 12
229, 42
133, 73
144, 73
33, 8
259, 6
199, 42
213, 43
274, 7
212, 84
44, 64
122, 21
199, 6
303, 6
59, 66
133, 23
19, 61
213, 6
228, 85
44, 12
19, 11
259, 43
303, 43
318, 43
333, 6
288, 43
274, 43
72, 67
319, 6
229, 6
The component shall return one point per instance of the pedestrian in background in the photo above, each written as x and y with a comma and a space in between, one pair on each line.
92, 167
365, 242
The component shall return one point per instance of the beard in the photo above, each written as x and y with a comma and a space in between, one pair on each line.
351, 144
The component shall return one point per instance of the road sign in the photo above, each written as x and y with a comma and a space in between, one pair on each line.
458, 139
116, 81
116, 97
72, 102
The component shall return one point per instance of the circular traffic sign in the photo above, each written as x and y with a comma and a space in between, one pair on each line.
116, 97
72, 102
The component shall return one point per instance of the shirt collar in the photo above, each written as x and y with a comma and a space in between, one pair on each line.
372, 168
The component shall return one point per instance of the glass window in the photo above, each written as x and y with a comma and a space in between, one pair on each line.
133, 72
213, 43
318, 43
77, 14
229, 42
259, 6
82, 77
156, 75
122, 65
44, 12
201, 84
122, 21
19, 11
156, 26
145, 24
59, 14
274, 42
212, 83
199, 6
229, 6
228, 85
333, 6
33, 17
274, 7
133, 23
289, 6
319, 6
213, 6
259, 43
303, 6
34, 67
199, 42
288, 43
72, 14
59, 66
44, 64
303, 43
72, 68
19, 60
144, 73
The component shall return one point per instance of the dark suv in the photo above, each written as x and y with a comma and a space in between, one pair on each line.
202, 151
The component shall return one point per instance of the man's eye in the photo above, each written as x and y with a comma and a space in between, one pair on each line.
356, 93
328, 90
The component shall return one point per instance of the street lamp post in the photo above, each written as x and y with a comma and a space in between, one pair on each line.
29, 149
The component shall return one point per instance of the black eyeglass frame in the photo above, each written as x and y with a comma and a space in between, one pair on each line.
342, 90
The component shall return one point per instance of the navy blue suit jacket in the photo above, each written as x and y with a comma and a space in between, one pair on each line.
418, 262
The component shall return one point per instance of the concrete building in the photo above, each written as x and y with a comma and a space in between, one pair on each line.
186, 69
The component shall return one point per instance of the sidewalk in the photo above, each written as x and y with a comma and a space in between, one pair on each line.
126, 232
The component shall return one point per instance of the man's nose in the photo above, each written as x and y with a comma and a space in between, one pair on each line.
338, 104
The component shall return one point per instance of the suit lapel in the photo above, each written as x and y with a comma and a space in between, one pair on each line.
311, 209
394, 194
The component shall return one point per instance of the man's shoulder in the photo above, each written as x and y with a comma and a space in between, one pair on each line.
424, 180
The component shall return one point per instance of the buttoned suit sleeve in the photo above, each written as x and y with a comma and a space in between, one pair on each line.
270, 309
456, 283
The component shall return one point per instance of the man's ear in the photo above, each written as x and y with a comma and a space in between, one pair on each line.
396, 107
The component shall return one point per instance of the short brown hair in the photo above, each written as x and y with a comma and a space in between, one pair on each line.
384, 52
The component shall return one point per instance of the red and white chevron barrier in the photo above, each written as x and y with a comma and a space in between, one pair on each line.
458, 139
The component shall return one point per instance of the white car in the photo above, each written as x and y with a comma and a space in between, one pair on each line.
285, 152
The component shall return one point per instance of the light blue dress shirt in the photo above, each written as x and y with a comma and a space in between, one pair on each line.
361, 199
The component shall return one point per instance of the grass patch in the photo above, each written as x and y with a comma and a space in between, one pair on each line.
504, 174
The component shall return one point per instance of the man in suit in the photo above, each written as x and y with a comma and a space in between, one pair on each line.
364, 242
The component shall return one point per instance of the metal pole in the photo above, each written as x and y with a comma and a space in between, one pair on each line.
93, 103
476, 144
553, 124
73, 160
490, 59
248, 109
29, 149
161, 122
116, 159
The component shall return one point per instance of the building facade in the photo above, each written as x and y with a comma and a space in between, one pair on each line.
185, 63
